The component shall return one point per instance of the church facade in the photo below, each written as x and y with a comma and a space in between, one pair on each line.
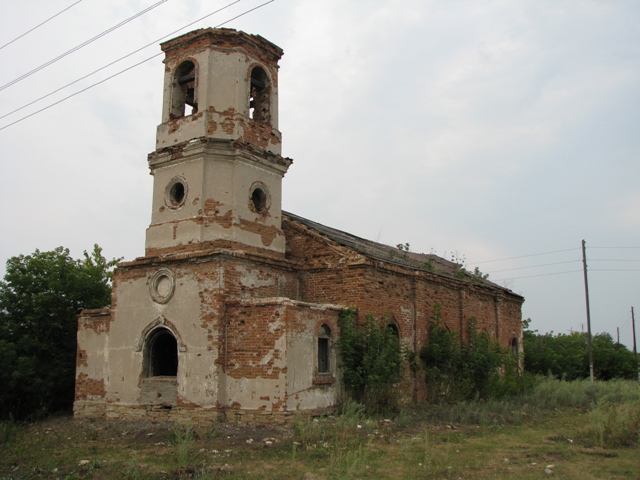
232, 314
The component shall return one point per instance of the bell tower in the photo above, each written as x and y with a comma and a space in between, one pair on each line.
217, 166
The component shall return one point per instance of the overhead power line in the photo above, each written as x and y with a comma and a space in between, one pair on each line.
118, 60
83, 44
524, 256
614, 259
540, 275
613, 248
615, 269
40, 24
125, 70
533, 266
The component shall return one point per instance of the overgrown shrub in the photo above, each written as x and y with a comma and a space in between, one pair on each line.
372, 362
477, 369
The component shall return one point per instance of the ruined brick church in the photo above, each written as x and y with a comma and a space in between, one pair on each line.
232, 314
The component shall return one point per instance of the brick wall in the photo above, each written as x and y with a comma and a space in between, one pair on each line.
332, 274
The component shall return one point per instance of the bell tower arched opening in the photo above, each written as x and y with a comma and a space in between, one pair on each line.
259, 98
183, 94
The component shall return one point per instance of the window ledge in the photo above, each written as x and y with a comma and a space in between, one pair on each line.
324, 379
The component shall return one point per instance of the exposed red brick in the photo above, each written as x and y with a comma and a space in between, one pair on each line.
88, 387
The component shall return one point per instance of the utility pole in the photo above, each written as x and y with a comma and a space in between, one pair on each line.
618, 337
633, 325
586, 295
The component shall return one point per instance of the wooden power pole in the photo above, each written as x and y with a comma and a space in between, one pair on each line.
633, 326
586, 294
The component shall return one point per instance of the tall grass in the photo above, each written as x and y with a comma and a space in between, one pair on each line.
612, 425
182, 439
345, 440
546, 394
8, 430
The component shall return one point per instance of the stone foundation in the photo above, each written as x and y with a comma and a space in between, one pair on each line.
189, 415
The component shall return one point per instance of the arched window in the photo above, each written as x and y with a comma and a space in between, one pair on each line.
393, 328
259, 101
514, 347
161, 354
324, 337
183, 98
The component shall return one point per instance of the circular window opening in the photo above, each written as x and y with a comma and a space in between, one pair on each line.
259, 200
176, 193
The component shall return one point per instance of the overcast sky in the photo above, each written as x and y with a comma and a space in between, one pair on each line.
501, 133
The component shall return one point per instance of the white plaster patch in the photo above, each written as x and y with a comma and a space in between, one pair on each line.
251, 278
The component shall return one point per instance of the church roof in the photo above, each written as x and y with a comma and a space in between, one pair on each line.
393, 255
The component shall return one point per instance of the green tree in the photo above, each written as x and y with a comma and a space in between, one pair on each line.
567, 356
612, 360
40, 298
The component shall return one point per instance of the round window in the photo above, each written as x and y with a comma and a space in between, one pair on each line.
176, 192
162, 285
259, 199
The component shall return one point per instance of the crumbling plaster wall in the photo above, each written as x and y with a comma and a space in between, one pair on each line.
223, 99
194, 313
218, 181
136, 314
92, 362
271, 356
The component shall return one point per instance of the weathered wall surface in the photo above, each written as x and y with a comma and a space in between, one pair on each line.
222, 88
232, 336
271, 355
307, 388
92, 362
334, 274
210, 210
247, 326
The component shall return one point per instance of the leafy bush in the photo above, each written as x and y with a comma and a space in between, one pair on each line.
477, 369
372, 362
